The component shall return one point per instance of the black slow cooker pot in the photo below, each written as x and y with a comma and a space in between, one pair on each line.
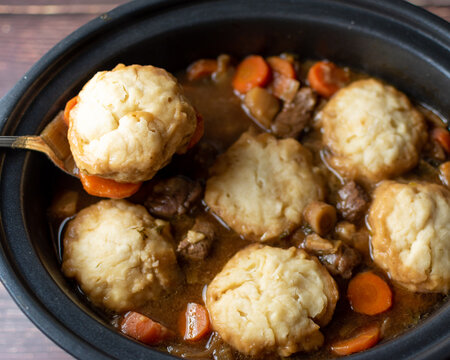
391, 39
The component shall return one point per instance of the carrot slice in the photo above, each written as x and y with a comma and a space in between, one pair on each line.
201, 68
144, 329
199, 131
327, 78
369, 294
442, 136
69, 106
97, 186
362, 341
251, 72
281, 66
194, 322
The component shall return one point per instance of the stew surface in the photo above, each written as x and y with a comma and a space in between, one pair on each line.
225, 119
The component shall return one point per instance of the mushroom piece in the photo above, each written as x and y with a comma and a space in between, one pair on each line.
320, 216
262, 105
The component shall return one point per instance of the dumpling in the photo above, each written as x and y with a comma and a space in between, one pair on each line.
373, 131
411, 234
128, 122
271, 300
120, 256
261, 185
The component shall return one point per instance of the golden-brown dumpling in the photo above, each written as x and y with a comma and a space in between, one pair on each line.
411, 234
128, 122
372, 130
120, 255
261, 185
271, 300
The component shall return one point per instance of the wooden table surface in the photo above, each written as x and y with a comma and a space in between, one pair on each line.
28, 29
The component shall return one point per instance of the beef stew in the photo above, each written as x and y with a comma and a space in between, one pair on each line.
344, 251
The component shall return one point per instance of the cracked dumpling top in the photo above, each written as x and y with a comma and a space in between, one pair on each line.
261, 185
373, 131
411, 234
271, 300
120, 256
128, 122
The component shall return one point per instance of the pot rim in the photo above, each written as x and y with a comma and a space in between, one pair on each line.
19, 98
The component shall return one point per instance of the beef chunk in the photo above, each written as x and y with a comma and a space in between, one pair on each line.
174, 196
197, 242
353, 201
195, 163
433, 150
337, 257
295, 115
342, 261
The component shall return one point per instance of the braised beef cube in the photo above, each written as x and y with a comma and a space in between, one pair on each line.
353, 201
295, 115
200, 159
434, 150
342, 261
197, 242
174, 196
337, 257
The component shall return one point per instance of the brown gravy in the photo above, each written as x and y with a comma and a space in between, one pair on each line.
225, 120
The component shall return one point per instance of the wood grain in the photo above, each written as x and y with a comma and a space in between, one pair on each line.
20, 339
28, 29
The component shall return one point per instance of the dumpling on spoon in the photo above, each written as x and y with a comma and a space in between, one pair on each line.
128, 122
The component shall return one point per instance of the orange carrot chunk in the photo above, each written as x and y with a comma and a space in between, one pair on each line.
369, 294
194, 322
442, 136
199, 131
97, 186
281, 66
251, 72
201, 68
144, 329
327, 78
362, 341
69, 106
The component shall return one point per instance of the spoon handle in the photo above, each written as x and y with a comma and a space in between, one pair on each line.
36, 143
8, 141
52, 142
62, 159
24, 142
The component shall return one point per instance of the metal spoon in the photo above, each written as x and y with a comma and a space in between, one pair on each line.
52, 142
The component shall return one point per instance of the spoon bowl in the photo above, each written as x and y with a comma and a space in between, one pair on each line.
52, 142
